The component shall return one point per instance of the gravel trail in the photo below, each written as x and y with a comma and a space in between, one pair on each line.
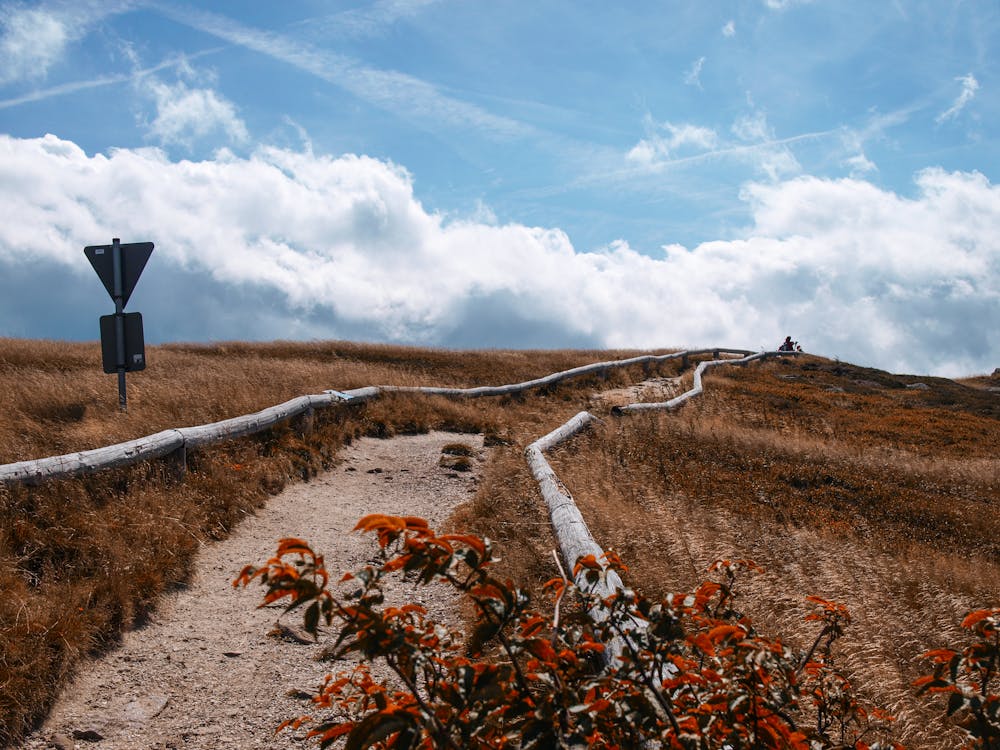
204, 673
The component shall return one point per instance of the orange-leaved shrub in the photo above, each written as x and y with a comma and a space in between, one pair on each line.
971, 680
689, 671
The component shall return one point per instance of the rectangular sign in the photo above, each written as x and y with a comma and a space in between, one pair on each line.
135, 346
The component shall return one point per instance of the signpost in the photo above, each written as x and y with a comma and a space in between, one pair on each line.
122, 347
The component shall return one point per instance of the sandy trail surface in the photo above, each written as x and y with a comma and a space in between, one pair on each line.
204, 673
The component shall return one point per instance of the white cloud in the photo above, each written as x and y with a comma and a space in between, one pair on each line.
410, 98
849, 269
665, 140
367, 21
782, 4
35, 37
969, 88
729, 30
184, 114
752, 127
769, 155
859, 164
693, 75
33, 41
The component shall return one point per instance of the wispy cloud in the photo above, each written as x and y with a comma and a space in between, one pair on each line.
415, 100
755, 143
770, 157
73, 87
35, 38
859, 165
782, 4
693, 75
365, 22
32, 42
729, 30
969, 88
665, 139
185, 114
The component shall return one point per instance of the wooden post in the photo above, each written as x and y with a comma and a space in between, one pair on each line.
304, 423
176, 464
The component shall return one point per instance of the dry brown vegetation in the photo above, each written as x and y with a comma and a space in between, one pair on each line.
840, 481
82, 559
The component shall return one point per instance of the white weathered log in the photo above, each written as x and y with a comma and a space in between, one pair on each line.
153, 446
90, 461
571, 531
573, 536
227, 429
361, 394
696, 386
556, 377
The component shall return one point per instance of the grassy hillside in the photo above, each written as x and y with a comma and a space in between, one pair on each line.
840, 481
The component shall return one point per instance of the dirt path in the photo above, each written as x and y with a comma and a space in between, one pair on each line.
204, 673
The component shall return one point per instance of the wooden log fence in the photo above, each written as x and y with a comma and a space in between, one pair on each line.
570, 529
174, 443
697, 386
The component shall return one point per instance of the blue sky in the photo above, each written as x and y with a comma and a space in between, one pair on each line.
543, 174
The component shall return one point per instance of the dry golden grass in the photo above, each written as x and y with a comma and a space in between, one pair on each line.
840, 481
885, 499
82, 559
58, 400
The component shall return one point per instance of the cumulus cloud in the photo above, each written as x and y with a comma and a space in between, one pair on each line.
969, 88
32, 41
341, 246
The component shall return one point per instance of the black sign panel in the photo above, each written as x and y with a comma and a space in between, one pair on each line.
135, 346
133, 258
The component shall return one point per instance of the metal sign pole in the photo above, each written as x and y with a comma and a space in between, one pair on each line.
119, 294
118, 267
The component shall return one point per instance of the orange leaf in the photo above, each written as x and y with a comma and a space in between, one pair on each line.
587, 561
724, 632
978, 616
291, 546
940, 655
703, 642
468, 540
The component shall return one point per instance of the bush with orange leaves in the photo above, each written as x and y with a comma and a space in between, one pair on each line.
691, 671
971, 680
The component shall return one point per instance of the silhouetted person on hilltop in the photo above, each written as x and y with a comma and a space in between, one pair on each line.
787, 345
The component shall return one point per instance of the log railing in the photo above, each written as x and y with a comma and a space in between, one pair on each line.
570, 529
175, 442
572, 534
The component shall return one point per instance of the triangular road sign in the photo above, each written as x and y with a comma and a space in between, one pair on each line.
134, 256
